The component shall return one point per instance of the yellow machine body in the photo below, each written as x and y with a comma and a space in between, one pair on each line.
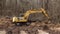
16, 19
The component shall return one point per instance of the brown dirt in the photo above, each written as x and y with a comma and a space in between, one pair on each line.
34, 28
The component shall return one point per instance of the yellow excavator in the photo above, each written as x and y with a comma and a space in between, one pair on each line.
24, 18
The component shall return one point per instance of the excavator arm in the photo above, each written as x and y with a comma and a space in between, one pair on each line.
35, 11
45, 13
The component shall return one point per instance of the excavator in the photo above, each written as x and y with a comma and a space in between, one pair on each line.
24, 18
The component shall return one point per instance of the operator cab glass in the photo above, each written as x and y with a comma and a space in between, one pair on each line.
21, 18
21, 15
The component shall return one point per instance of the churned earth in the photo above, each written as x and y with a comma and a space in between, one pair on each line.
6, 27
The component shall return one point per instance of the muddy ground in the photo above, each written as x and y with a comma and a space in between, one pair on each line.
34, 28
